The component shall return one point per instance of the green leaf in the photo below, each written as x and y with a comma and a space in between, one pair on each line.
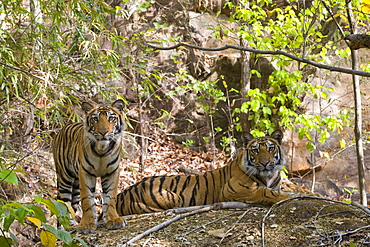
310, 147
50, 228
5, 241
256, 72
50, 205
21, 214
9, 176
8, 221
38, 198
81, 241
63, 214
62, 209
255, 105
64, 236
324, 135
266, 110
38, 213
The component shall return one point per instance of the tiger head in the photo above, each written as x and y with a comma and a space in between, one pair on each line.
264, 155
104, 122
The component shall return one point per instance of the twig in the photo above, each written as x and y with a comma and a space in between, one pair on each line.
358, 111
315, 220
220, 205
186, 209
365, 209
215, 206
351, 232
141, 136
208, 223
231, 228
299, 59
21, 70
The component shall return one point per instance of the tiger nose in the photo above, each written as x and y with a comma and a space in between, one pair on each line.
103, 132
264, 162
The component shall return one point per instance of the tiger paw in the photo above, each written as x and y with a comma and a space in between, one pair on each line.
116, 223
85, 227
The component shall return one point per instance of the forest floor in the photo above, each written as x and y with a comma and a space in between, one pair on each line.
298, 222
306, 222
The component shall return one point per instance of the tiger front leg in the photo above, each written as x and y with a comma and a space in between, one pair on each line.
267, 196
110, 190
87, 194
250, 192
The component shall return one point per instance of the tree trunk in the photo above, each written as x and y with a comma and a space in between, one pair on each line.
245, 85
358, 113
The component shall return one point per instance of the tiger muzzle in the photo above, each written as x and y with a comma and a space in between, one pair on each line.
267, 165
264, 162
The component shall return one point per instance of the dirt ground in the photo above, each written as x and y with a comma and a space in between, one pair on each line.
297, 222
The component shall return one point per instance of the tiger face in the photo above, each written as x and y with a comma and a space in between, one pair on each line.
103, 124
263, 156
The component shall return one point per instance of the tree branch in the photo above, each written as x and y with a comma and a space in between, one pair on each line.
299, 59
357, 41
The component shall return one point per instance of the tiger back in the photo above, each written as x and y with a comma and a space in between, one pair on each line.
253, 176
84, 151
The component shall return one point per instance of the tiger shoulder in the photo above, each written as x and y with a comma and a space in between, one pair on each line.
253, 176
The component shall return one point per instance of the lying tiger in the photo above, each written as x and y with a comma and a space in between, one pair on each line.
252, 177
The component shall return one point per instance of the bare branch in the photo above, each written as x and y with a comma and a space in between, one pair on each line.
285, 54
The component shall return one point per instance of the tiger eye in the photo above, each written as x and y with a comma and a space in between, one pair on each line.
94, 119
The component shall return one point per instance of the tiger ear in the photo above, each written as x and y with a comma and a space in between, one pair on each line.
247, 138
278, 135
118, 104
87, 106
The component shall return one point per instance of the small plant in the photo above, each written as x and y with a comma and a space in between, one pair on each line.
350, 192
32, 213
188, 143
227, 142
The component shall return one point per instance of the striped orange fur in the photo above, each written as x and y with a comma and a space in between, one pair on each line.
87, 150
253, 176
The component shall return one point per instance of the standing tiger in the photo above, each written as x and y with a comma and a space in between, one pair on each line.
84, 151
252, 177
